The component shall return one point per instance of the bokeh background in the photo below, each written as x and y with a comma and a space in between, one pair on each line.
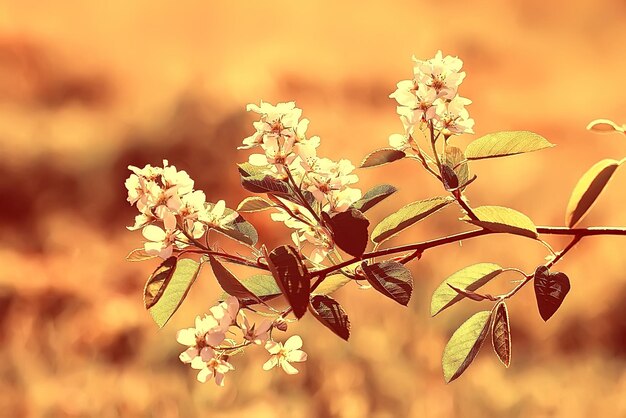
87, 88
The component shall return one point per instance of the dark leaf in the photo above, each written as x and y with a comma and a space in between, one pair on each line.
330, 313
449, 177
229, 283
168, 286
291, 276
382, 156
374, 196
349, 230
391, 279
501, 334
455, 164
158, 281
464, 345
264, 183
550, 289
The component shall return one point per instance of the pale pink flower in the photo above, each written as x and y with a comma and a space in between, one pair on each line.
441, 74
210, 366
161, 241
257, 334
207, 332
226, 312
174, 178
453, 118
215, 216
284, 355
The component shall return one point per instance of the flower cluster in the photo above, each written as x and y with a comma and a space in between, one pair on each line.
430, 99
290, 156
165, 196
209, 348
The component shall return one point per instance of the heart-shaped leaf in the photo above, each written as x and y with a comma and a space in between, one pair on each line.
588, 189
291, 276
349, 231
374, 196
501, 334
407, 216
550, 289
501, 219
470, 278
500, 144
391, 279
382, 156
464, 345
167, 287
330, 313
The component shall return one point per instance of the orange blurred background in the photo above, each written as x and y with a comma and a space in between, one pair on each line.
87, 88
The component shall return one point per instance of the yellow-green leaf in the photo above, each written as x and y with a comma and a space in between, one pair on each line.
139, 254
407, 216
501, 334
469, 278
382, 156
162, 301
464, 345
331, 284
588, 189
254, 204
501, 219
605, 126
500, 144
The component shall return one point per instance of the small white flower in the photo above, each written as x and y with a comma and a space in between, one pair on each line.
214, 217
207, 332
161, 241
284, 355
210, 366
226, 312
441, 74
453, 118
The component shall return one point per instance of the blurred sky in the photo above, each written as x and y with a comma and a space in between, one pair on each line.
87, 88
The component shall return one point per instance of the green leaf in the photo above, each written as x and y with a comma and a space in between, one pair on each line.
501, 219
263, 286
501, 334
374, 196
391, 279
239, 229
291, 276
139, 254
500, 144
382, 156
407, 216
331, 284
229, 283
330, 313
588, 189
464, 345
469, 278
349, 231
248, 170
167, 287
254, 204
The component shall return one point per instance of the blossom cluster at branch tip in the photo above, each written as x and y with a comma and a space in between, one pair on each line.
171, 212
288, 154
209, 349
430, 99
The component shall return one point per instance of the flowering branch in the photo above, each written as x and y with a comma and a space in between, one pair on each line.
316, 198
